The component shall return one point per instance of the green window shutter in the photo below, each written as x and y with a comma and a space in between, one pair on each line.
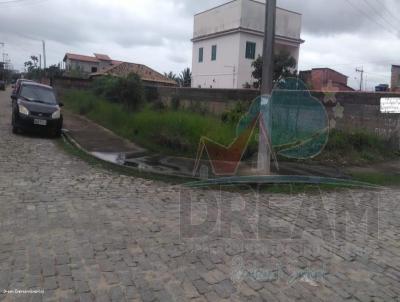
213, 52
250, 50
201, 51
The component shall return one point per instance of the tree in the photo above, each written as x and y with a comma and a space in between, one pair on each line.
35, 61
284, 64
185, 78
171, 76
28, 66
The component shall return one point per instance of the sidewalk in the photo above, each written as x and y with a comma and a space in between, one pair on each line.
95, 138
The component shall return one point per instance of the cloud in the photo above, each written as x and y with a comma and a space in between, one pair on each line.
157, 33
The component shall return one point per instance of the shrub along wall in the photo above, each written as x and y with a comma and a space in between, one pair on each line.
351, 112
355, 111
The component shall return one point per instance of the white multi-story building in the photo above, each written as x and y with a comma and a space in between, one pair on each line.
228, 38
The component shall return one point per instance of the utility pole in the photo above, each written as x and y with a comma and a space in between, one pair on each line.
44, 54
264, 146
2, 48
361, 71
40, 61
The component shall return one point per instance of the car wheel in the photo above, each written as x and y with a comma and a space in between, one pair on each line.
57, 133
15, 129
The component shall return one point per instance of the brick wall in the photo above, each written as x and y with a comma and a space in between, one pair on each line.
395, 80
215, 101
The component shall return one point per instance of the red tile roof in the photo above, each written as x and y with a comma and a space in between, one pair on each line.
123, 69
81, 58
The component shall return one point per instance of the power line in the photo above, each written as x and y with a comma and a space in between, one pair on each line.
389, 13
20, 3
13, 1
369, 17
380, 14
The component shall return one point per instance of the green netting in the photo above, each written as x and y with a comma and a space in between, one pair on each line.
296, 121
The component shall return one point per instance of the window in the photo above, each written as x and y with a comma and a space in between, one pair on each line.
38, 94
201, 54
250, 50
94, 69
213, 52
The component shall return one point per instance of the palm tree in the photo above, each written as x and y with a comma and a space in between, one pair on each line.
185, 78
171, 76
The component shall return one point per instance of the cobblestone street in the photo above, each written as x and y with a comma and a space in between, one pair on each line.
84, 234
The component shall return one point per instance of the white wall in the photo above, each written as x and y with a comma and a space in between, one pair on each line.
221, 18
247, 14
216, 74
288, 24
82, 66
245, 68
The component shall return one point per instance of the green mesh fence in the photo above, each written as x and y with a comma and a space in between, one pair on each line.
296, 121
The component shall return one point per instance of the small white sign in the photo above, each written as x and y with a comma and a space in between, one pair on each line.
390, 105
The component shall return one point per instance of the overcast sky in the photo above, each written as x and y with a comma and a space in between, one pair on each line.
341, 34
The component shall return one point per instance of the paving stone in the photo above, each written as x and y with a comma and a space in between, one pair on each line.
63, 270
224, 289
111, 278
201, 286
81, 287
117, 294
214, 276
65, 282
86, 297
189, 290
50, 283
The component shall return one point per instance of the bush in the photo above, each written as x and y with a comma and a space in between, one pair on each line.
151, 93
158, 106
128, 91
234, 115
175, 102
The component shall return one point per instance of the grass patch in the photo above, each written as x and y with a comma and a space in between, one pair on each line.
178, 132
356, 148
167, 131
377, 178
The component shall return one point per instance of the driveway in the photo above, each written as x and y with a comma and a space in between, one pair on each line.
72, 232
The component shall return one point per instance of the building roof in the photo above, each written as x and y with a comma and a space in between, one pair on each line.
102, 57
123, 69
218, 6
81, 58
327, 68
396, 66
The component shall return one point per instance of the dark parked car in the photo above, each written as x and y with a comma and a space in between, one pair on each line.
18, 83
35, 107
2, 85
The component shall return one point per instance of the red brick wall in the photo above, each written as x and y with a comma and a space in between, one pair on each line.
395, 85
321, 77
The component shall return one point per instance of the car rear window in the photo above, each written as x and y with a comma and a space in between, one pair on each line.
38, 94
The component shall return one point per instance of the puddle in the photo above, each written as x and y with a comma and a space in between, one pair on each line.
115, 158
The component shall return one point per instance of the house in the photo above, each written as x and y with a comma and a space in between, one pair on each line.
325, 78
395, 85
148, 75
101, 64
87, 64
228, 38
